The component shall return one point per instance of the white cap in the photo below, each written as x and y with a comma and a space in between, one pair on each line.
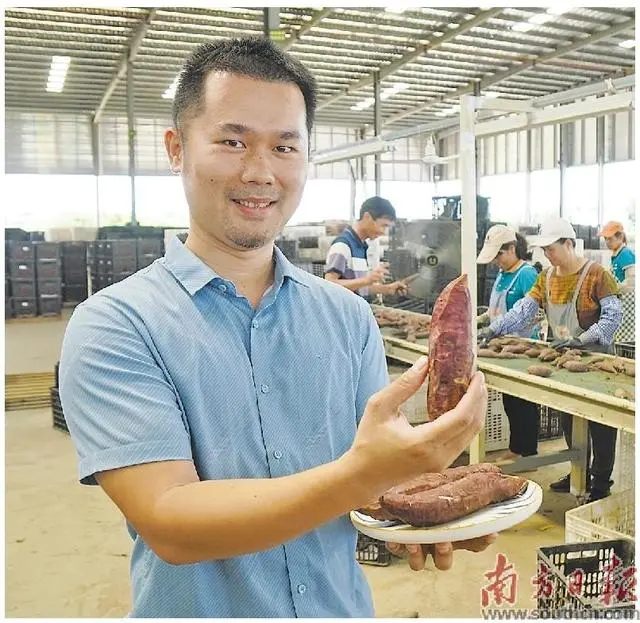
497, 236
551, 231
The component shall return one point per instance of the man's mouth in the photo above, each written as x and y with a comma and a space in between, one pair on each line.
254, 204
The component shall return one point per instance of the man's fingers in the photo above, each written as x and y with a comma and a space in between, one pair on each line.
443, 556
391, 398
395, 548
417, 557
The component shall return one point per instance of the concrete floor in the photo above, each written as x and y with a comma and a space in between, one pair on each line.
67, 551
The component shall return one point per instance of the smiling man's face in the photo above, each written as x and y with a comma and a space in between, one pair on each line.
244, 159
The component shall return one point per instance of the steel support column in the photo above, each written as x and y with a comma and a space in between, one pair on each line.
377, 126
131, 135
97, 165
600, 161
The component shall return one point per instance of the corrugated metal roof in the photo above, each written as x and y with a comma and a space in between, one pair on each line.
437, 52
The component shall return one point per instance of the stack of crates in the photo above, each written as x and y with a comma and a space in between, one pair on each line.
48, 278
74, 272
148, 251
112, 261
21, 270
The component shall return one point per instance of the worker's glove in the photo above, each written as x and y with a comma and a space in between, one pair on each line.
483, 320
569, 342
484, 335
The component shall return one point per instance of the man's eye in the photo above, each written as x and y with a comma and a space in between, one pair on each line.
232, 143
285, 149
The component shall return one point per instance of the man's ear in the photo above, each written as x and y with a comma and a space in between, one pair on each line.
173, 145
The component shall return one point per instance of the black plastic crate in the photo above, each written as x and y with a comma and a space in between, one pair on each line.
74, 264
22, 269
318, 269
116, 264
587, 576
24, 307
550, 423
289, 248
49, 287
149, 246
8, 309
75, 293
74, 277
20, 250
372, 552
59, 420
23, 288
48, 269
49, 305
625, 349
73, 249
108, 249
47, 250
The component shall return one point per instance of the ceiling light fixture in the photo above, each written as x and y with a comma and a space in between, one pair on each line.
558, 10
540, 18
523, 26
396, 9
627, 43
57, 73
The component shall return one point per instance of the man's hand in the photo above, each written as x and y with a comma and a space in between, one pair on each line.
397, 287
442, 552
387, 450
484, 335
378, 274
569, 342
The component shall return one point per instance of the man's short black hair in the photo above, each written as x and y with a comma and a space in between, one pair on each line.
378, 208
254, 57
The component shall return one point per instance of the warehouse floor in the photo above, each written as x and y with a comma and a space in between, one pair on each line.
67, 551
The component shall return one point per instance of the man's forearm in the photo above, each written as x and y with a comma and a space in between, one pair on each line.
603, 331
517, 319
212, 520
352, 284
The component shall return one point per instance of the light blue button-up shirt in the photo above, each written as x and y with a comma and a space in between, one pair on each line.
174, 364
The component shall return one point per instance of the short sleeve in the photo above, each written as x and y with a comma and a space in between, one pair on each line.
538, 291
605, 285
120, 407
374, 374
528, 277
627, 258
338, 259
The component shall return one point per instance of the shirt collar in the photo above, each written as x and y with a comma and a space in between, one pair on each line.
194, 274
360, 241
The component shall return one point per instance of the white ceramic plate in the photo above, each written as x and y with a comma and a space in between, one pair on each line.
494, 518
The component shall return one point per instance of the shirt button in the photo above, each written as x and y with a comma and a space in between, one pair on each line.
222, 287
264, 388
277, 454
302, 589
254, 324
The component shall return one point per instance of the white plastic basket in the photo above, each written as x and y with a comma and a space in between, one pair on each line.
607, 519
624, 468
497, 424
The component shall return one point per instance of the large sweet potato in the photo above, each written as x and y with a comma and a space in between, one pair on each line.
433, 506
450, 348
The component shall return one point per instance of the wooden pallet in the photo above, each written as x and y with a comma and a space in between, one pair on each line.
27, 391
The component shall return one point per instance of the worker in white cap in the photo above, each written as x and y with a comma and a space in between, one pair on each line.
508, 249
580, 299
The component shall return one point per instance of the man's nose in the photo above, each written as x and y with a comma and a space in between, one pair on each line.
256, 167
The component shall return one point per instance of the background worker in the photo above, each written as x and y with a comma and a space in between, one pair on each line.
580, 299
347, 257
515, 278
623, 260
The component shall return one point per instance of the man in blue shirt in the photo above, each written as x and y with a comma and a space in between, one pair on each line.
347, 262
234, 407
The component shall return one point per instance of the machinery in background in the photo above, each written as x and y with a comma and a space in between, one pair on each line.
427, 253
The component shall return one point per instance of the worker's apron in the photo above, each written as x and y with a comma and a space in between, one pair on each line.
563, 317
498, 306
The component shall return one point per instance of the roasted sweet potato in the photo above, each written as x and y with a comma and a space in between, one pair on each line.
560, 361
451, 356
604, 366
533, 352
375, 511
452, 500
505, 354
540, 371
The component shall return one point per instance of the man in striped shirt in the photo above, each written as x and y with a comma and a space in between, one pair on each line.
347, 262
